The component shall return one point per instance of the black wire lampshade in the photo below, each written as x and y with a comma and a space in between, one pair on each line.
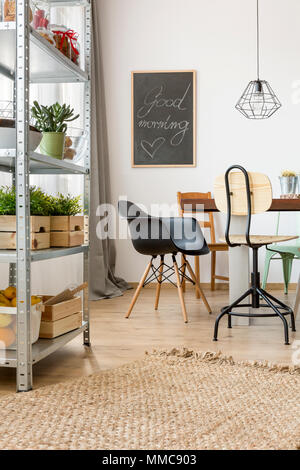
258, 101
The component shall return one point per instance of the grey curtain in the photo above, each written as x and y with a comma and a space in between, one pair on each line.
103, 282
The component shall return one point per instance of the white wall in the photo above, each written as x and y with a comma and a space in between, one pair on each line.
217, 38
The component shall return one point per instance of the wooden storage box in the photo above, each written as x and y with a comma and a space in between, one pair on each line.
61, 310
52, 329
39, 241
61, 239
67, 231
39, 228
67, 223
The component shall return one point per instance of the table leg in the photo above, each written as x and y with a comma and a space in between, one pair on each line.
297, 301
238, 268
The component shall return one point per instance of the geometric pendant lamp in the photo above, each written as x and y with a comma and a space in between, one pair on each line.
258, 100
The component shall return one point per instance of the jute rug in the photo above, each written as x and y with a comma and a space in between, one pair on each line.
179, 399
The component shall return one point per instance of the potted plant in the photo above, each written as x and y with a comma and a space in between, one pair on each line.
288, 182
52, 122
40, 205
67, 227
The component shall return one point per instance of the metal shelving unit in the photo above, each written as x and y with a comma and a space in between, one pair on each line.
40, 164
22, 51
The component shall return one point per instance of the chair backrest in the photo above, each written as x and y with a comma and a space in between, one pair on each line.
161, 235
260, 193
128, 210
242, 193
207, 223
149, 235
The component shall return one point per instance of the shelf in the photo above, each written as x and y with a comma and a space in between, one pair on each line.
10, 256
42, 348
51, 253
40, 164
68, 3
47, 64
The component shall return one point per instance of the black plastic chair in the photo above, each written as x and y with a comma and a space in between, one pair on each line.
243, 193
161, 236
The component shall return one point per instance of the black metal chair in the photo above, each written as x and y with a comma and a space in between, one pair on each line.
161, 236
242, 193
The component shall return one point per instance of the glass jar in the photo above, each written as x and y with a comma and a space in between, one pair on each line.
75, 55
8, 10
61, 39
40, 17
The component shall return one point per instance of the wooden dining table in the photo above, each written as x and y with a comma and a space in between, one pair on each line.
208, 205
239, 265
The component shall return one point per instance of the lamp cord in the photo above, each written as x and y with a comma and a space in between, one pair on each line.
257, 37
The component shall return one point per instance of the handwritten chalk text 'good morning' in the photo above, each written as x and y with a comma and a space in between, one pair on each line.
155, 99
177, 139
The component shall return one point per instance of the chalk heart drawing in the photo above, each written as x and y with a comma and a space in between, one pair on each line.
151, 149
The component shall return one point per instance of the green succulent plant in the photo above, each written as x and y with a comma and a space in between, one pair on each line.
7, 200
52, 118
40, 202
288, 173
65, 205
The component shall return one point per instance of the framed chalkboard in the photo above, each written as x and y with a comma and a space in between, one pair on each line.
164, 119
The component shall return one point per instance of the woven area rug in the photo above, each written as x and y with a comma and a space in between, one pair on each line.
179, 399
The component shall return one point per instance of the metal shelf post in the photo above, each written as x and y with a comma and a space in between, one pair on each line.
12, 276
24, 347
86, 193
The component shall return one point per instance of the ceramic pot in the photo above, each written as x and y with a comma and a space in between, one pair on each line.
53, 144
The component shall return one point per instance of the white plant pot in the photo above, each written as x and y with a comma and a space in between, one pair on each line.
8, 138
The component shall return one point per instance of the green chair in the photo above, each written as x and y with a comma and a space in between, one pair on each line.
287, 254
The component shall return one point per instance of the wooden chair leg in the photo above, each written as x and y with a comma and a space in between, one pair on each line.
201, 293
180, 291
197, 274
183, 280
138, 290
158, 287
213, 270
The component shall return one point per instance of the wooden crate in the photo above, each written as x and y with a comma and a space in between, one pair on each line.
61, 239
63, 309
68, 231
39, 228
67, 223
39, 241
38, 224
52, 329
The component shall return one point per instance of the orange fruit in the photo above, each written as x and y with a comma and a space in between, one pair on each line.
35, 300
4, 301
10, 292
7, 336
13, 302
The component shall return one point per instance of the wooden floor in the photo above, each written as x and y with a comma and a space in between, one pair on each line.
116, 340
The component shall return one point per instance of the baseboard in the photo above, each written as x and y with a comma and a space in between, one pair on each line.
221, 285
189, 286
280, 286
